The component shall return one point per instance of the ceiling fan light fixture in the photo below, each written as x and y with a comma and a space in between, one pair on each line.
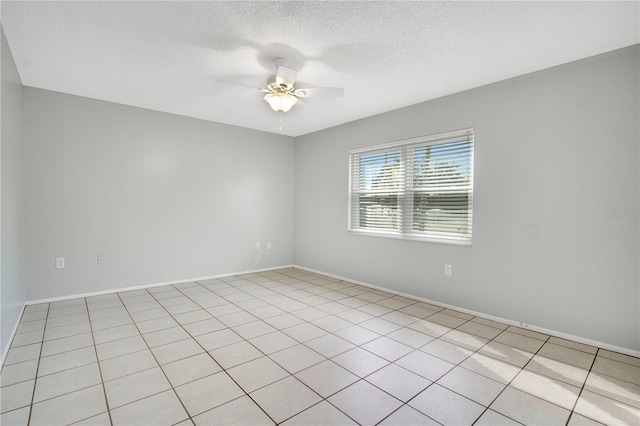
280, 101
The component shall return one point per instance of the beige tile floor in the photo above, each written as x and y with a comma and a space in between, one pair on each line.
298, 348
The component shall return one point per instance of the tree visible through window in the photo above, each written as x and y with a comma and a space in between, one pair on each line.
378, 203
416, 189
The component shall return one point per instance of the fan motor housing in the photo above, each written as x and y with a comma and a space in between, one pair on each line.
272, 85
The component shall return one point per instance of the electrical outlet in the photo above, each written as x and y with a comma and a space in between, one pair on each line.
447, 269
100, 259
257, 246
59, 262
269, 245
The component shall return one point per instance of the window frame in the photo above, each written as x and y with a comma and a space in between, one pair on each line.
407, 149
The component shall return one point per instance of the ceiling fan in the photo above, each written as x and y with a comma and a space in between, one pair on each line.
282, 95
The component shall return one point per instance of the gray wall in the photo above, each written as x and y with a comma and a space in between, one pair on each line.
556, 148
12, 281
166, 198
161, 197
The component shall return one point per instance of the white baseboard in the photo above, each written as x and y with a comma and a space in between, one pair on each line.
5, 351
554, 333
140, 287
99, 293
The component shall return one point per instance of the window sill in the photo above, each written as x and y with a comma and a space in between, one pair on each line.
410, 237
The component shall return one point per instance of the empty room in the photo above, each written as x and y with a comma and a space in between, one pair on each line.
320, 213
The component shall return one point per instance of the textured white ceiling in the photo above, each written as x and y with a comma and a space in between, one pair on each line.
167, 56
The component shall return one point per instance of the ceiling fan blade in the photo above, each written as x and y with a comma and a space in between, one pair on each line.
286, 77
235, 83
320, 92
250, 101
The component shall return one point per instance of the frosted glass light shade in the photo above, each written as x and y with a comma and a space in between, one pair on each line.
280, 101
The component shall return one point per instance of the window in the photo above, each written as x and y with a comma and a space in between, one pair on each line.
418, 189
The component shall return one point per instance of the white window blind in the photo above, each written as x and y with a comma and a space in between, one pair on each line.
415, 189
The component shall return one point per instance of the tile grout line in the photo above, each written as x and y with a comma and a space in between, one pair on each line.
575, 404
247, 341
65, 369
60, 371
474, 351
331, 332
380, 336
379, 316
514, 377
214, 360
435, 382
95, 350
267, 356
456, 365
300, 297
154, 357
35, 380
322, 398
